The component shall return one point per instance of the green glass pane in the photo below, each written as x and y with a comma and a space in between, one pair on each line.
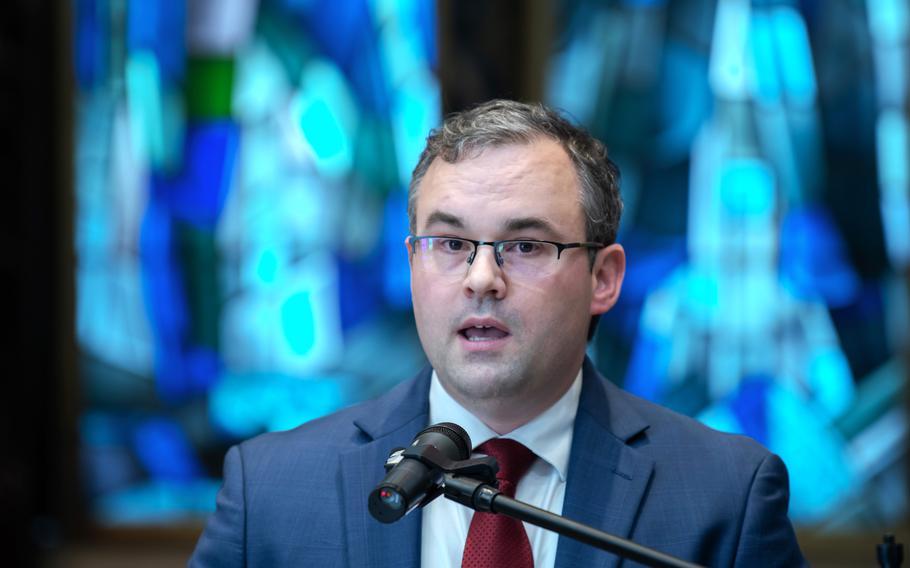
209, 83
199, 257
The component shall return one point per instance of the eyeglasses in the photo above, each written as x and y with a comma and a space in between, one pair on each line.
520, 257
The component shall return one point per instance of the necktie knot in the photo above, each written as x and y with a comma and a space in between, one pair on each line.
514, 460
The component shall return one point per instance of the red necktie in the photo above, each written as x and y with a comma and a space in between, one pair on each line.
497, 540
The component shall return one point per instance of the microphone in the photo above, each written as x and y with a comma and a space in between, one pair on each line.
417, 471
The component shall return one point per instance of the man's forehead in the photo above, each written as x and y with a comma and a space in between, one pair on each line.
506, 223
540, 160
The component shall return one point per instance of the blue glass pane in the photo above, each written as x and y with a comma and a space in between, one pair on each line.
91, 41
151, 27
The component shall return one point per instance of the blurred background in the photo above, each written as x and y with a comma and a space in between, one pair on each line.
205, 212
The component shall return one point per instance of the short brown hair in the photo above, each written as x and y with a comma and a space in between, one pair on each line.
500, 122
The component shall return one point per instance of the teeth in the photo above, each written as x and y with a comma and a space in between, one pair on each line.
480, 332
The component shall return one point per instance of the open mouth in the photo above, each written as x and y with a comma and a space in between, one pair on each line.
480, 333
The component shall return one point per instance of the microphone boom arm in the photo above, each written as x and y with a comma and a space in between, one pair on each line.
481, 496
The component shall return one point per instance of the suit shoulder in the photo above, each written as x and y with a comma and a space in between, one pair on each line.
337, 431
670, 428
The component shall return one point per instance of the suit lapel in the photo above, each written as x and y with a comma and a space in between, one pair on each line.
607, 479
399, 416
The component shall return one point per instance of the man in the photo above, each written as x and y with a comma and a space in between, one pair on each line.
513, 213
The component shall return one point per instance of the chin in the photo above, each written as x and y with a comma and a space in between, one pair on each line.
483, 380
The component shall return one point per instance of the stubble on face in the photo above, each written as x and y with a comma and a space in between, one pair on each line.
486, 376
546, 318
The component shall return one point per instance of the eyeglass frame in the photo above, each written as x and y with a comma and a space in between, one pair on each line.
560, 247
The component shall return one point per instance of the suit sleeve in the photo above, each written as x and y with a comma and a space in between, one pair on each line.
767, 537
222, 543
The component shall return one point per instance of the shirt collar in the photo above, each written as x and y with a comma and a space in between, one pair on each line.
549, 435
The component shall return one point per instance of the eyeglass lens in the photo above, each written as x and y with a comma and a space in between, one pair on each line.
447, 255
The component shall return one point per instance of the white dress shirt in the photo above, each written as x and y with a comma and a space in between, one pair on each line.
445, 523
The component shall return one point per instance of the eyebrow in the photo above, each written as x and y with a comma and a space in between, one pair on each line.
524, 223
441, 217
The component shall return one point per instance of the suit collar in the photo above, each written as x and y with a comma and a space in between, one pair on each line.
608, 478
389, 422
397, 408
604, 402
608, 407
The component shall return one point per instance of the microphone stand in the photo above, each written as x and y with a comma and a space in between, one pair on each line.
484, 497
471, 483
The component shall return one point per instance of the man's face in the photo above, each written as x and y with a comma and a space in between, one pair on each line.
535, 339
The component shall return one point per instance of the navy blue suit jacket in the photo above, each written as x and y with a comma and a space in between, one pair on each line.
637, 470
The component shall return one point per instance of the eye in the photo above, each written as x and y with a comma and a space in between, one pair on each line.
522, 248
452, 245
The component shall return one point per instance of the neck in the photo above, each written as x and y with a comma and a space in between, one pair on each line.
503, 414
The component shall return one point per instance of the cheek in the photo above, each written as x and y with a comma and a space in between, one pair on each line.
428, 290
426, 300
564, 304
418, 295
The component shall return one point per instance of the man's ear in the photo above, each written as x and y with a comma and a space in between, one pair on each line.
606, 278
407, 245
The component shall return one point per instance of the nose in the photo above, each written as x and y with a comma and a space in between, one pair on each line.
484, 276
